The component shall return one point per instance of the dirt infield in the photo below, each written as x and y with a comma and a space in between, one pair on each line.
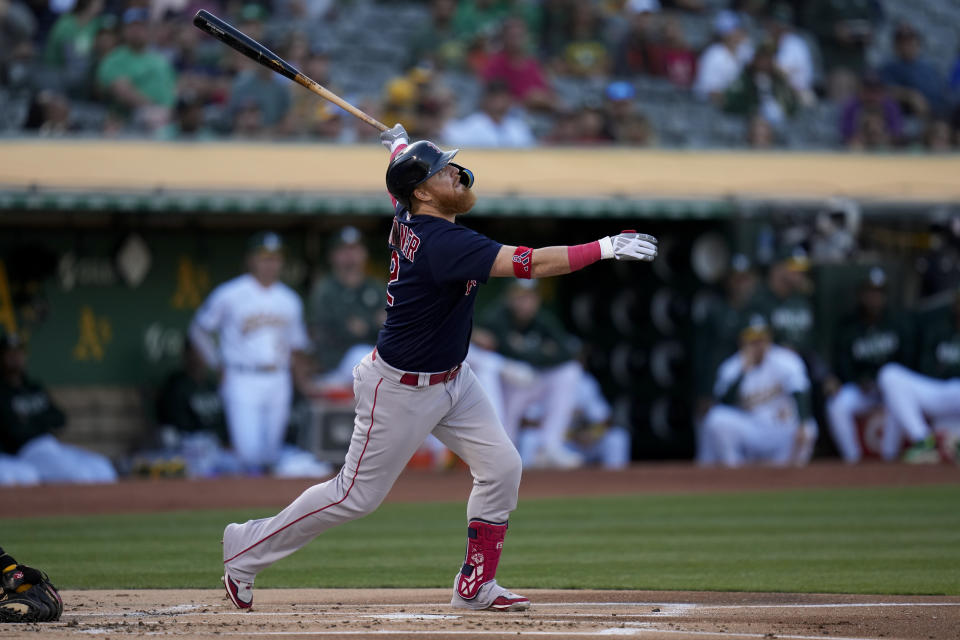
408, 614
417, 486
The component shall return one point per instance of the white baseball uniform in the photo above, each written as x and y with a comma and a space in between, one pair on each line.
763, 426
258, 328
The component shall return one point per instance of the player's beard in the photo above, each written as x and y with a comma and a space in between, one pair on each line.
458, 202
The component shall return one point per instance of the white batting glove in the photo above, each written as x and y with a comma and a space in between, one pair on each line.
394, 137
629, 245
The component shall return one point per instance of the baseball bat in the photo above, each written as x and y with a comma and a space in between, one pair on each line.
227, 33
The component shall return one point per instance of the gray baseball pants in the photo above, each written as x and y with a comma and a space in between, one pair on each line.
392, 420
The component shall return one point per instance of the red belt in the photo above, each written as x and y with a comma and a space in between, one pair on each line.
413, 379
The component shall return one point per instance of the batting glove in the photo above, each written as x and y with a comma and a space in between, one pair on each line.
629, 245
394, 137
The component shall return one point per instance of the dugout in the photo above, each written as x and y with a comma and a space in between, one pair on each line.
108, 248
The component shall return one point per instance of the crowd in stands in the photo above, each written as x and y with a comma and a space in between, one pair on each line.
863, 74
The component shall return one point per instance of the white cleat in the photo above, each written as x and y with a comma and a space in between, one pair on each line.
239, 592
492, 597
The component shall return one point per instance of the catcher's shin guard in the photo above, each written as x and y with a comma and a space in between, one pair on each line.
484, 544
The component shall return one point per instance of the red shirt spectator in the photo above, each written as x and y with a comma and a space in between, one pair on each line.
673, 57
516, 68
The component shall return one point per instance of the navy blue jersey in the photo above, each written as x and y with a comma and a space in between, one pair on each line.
435, 267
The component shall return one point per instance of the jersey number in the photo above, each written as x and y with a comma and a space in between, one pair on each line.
394, 274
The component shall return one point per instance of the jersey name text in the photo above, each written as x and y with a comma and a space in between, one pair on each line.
404, 239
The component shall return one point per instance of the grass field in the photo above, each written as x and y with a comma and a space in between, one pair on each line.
903, 541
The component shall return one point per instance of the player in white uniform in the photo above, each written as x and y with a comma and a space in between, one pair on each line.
763, 411
258, 323
920, 403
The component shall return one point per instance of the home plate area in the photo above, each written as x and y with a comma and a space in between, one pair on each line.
423, 613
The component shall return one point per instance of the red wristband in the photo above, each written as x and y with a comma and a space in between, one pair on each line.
581, 255
523, 262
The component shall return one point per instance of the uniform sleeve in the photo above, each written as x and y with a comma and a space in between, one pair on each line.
458, 254
298, 331
727, 375
795, 378
210, 315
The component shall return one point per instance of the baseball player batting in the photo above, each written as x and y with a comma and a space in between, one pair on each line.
415, 381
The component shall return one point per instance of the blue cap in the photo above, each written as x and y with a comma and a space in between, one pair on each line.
620, 90
135, 14
725, 22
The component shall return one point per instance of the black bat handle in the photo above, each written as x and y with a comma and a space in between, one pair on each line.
243, 43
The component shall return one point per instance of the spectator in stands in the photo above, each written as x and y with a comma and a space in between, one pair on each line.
583, 51
760, 135
926, 403
257, 84
866, 341
623, 123
137, 81
564, 130
475, 17
938, 138
520, 70
192, 423
28, 420
307, 116
345, 309
762, 89
793, 56
671, 56
17, 28
437, 43
632, 54
49, 115
496, 124
522, 330
188, 121
953, 81
914, 82
763, 411
260, 88
592, 125
69, 46
248, 121
872, 121
844, 30
720, 64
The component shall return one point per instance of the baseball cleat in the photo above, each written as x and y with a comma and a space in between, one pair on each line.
240, 593
492, 597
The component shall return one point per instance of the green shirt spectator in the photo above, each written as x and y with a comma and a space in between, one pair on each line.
843, 30
762, 89
132, 75
73, 34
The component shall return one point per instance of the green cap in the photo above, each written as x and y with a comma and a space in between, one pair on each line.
268, 241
